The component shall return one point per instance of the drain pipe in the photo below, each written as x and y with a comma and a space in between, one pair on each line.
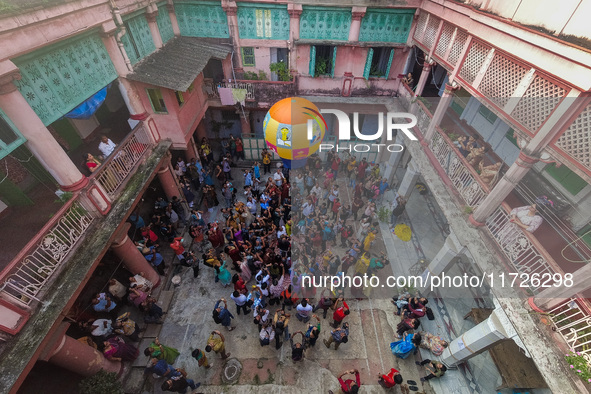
119, 22
234, 75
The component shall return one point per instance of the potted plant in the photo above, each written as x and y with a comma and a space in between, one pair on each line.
280, 68
100, 383
579, 365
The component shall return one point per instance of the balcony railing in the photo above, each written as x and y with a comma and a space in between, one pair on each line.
459, 171
524, 253
23, 280
521, 250
572, 321
111, 175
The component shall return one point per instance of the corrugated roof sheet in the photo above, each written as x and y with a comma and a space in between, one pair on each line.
176, 65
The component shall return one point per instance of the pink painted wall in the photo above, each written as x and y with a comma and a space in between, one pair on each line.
262, 60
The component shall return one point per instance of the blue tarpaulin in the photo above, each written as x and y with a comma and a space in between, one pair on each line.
88, 107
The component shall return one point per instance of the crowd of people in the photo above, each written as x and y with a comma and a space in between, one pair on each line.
281, 226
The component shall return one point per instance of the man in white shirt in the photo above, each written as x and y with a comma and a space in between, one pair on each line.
278, 177
304, 311
106, 146
240, 300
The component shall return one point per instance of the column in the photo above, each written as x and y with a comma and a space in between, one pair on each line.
393, 161
562, 117
111, 36
409, 180
295, 11
39, 140
151, 18
356, 14
231, 10
168, 182
133, 260
423, 79
551, 297
444, 103
80, 358
245, 121
173, 19
132, 99
502, 189
476, 340
191, 152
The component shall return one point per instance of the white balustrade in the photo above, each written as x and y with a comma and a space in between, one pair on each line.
35, 265
113, 173
458, 171
573, 322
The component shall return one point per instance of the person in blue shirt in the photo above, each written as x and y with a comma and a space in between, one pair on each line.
256, 169
156, 260
162, 368
222, 315
247, 178
103, 303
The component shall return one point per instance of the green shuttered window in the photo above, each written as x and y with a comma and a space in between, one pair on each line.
10, 137
202, 19
323, 59
164, 24
137, 39
59, 77
381, 25
261, 21
325, 23
378, 63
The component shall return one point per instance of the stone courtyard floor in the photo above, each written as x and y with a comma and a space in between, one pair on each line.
372, 321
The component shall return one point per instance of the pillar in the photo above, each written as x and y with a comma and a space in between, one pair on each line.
423, 79
39, 140
356, 14
295, 11
109, 32
551, 297
173, 20
231, 10
409, 180
168, 183
80, 358
245, 121
151, 18
476, 340
132, 99
444, 103
446, 255
560, 119
393, 161
502, 189
133, 260
191, 152
111, 36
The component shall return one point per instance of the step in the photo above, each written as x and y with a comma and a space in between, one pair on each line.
142, 360
152, 330
165, 299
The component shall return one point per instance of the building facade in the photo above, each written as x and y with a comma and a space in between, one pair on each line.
513, 77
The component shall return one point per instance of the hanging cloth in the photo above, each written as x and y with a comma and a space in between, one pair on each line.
89, 106
239, 95
226, 96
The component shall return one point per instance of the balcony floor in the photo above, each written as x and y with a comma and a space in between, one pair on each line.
21, 223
